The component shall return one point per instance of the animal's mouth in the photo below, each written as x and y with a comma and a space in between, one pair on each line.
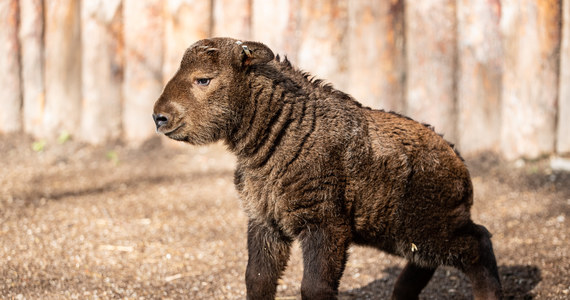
173, 131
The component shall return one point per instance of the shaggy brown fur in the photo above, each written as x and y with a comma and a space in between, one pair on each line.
316, 166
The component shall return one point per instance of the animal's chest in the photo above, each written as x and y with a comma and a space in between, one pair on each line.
259, 197
290, 202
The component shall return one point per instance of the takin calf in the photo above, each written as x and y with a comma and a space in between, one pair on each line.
314, 165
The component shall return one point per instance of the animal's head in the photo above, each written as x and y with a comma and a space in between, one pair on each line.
205, 98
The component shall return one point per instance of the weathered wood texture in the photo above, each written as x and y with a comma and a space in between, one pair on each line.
10, 87
490, 74
283, 17
563, 138
431, 50
323, 43
186, 21
530, 76
479, 75
143, 34
232, 18
32, 61
376, 55
62, 67
102, 72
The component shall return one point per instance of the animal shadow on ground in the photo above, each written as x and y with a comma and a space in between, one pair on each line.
447, 283
40, 186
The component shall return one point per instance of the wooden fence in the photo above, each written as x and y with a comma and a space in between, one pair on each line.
489, 74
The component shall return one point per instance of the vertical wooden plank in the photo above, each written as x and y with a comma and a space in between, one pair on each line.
563, 138
281, 35
232, 18
323, 49
102, 72
62, 67
479, 78
186, 21
10, 87
143, 34
530, 79
32, 60
376, 53
431, 51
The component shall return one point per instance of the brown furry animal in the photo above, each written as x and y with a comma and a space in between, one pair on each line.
316, 166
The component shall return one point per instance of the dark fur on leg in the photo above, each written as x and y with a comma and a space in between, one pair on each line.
324, 258
411, 282
268, 252
483, 273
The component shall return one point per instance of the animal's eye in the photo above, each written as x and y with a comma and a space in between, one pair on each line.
203, 81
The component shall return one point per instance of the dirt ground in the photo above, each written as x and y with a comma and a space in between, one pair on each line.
155, 222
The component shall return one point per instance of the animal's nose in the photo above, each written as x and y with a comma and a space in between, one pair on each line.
159, 120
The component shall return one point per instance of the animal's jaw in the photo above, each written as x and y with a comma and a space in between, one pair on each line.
175, 133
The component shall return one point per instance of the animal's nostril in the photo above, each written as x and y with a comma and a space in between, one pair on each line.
159, 120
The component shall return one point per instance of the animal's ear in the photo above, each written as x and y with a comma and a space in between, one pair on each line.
252, 53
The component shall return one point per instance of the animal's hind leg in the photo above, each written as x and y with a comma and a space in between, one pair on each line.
482, 270
411, 281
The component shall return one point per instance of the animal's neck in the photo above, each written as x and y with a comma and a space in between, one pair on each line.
272, 115
280, 114
265, 110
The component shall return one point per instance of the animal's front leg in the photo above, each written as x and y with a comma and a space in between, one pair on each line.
324, 258
268, 252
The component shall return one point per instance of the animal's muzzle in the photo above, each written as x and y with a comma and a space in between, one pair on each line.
160, 120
